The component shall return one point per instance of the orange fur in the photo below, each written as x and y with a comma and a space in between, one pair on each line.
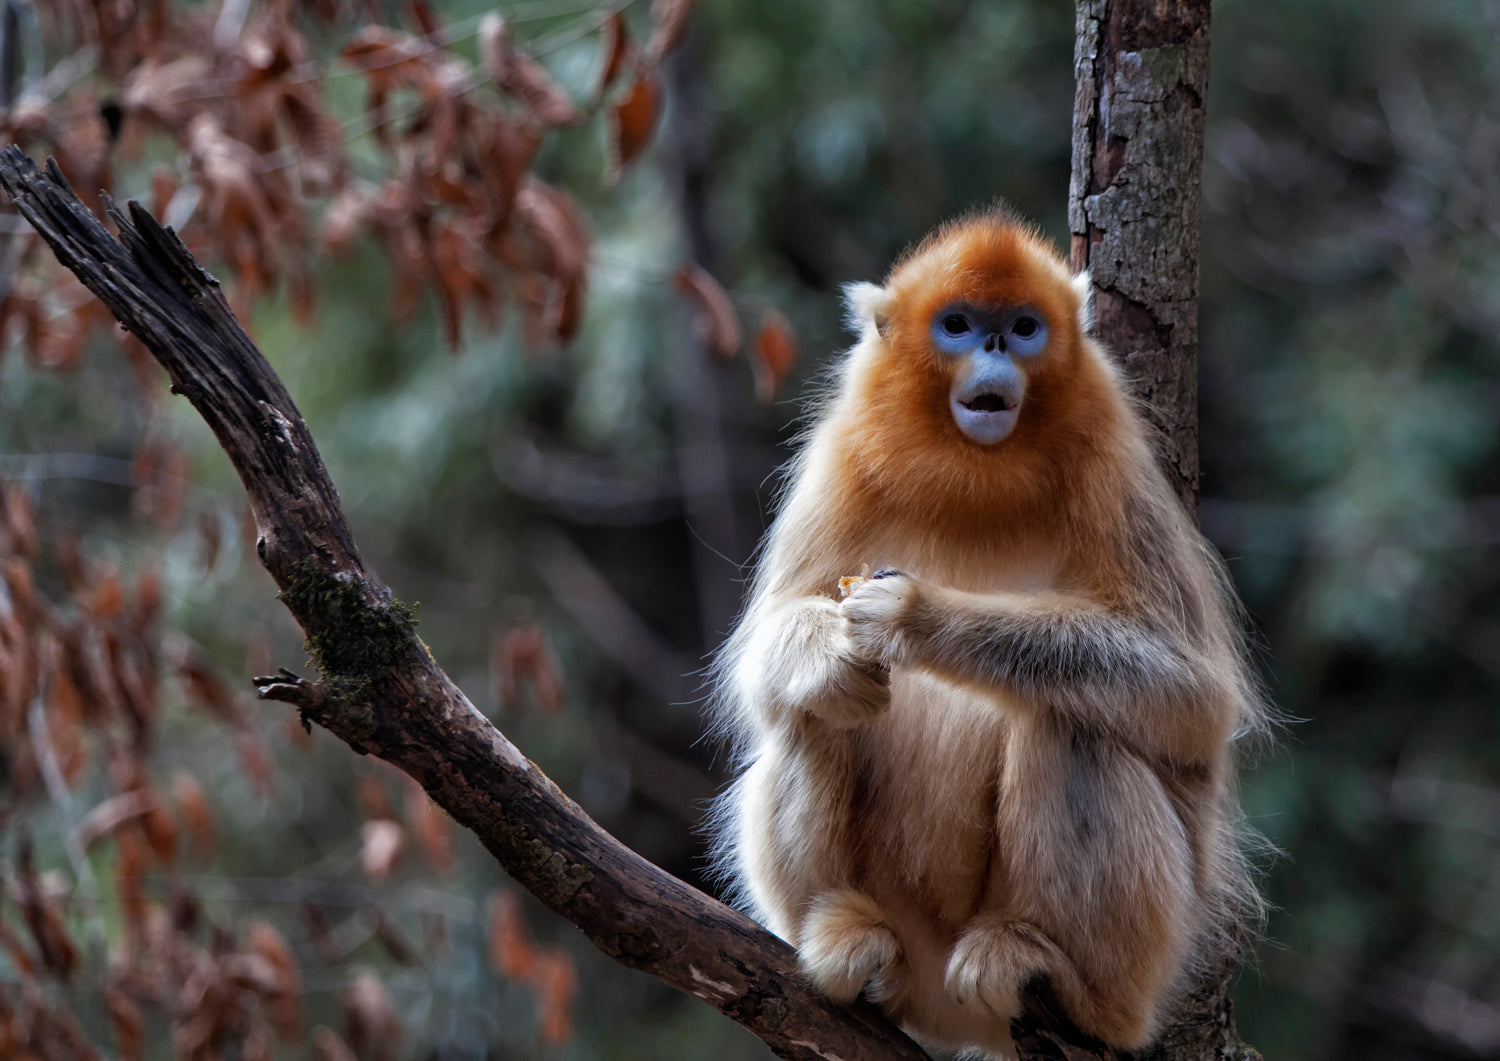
1011, 758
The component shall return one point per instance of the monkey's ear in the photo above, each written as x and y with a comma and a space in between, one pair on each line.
868, 305
1083, 287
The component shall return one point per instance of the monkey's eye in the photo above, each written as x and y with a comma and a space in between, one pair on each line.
1025, 327
955, 324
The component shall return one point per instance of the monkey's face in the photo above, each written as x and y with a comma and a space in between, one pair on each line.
975, 382
987, 347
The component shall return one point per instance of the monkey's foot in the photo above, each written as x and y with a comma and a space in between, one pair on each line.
847, 945
995, 957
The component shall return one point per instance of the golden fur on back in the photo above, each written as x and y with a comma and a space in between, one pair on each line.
1009, 755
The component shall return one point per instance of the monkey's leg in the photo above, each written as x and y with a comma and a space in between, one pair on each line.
1098, 887
846, 944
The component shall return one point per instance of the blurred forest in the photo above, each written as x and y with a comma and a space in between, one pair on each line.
575, 518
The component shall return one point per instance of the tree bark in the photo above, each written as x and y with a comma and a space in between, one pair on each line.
1141, 72
381, 691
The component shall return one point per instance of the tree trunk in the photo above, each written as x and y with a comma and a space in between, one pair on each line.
1141, 70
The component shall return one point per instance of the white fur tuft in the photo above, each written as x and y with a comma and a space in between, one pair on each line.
867, 305
1083, 287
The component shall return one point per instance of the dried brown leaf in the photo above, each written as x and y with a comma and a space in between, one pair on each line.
383, 842
495, 47
521, 659
512, 953
106, 818
254, 758
327, 1046
20, 957
192, 805
718, 325
530, 83
632, 120
773, 354
204, 687
391, 938
44, 919
20, 524
615, 42
431, 827
109, 596
167, 93
669, 24
320, 931
425, 18
522, 77
130, 865
374, 798
370, 1017
556, 983
125, 1020
553, 220
147, 601
284, 994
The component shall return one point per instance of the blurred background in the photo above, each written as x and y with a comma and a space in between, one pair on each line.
575, 518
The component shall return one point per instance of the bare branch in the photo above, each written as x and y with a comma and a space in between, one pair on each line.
381, 691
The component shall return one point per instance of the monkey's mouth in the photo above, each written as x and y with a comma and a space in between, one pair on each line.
989, 403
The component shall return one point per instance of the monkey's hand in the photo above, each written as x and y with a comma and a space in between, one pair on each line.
799, 658
878, 614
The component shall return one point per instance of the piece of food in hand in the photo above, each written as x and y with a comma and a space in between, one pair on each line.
848, 582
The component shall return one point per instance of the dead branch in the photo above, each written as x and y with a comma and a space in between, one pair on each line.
379, 688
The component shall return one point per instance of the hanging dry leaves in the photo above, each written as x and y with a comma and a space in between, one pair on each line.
557, 253
615, 42
44, 918
522, 77
773, 354
718, 326
548, 971
633, 119
373, 1029
520, 659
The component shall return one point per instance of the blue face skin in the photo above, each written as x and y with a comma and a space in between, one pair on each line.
988, 344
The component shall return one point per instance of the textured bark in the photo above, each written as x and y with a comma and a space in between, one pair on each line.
381, 691
1141, 71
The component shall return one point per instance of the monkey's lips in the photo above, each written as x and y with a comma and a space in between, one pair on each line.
989, 403
986, 416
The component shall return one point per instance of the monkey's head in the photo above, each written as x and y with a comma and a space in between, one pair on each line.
974, 365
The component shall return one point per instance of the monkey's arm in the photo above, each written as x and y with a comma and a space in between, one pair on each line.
794, 658
1098, 668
